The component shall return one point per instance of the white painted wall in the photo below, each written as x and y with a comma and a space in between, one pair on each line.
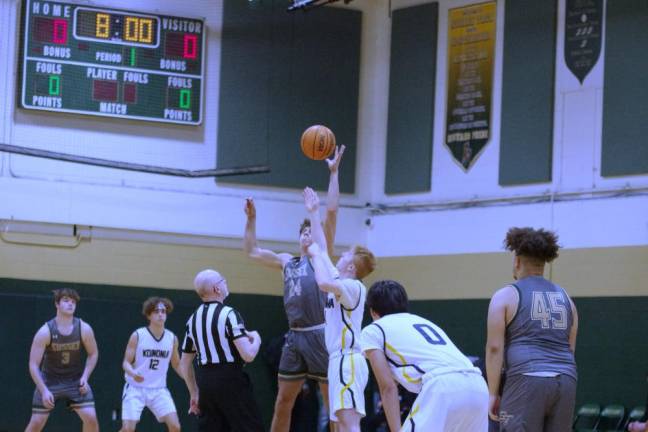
38, 190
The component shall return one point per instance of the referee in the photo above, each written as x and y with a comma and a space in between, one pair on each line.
221, 393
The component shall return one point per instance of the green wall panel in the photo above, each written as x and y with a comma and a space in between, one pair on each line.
412, 77
281, 73
526, 137
625, 98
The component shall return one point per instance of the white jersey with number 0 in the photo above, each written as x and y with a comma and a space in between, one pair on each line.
414, 347
152, 358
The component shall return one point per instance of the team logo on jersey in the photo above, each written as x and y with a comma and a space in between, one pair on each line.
155, 353
72, 346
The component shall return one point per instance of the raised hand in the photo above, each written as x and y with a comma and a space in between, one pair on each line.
334, 162
311, 200
250, 209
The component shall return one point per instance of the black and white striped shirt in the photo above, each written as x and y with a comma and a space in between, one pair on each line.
211, 332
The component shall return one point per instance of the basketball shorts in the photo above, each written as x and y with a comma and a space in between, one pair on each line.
304, 355
348, 375
538, 403
63, 390
456, 401
134, 399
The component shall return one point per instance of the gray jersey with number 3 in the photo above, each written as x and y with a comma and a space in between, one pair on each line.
537, 339
62, 359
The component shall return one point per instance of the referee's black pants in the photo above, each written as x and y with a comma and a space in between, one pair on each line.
226, 400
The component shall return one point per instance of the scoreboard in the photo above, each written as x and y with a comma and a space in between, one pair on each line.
108, 62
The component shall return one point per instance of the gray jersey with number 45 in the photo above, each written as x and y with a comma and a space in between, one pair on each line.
537, 339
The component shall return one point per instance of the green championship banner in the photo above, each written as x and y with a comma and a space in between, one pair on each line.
583, 30
471, 50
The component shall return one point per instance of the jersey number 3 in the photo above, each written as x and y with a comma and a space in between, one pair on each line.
429, 334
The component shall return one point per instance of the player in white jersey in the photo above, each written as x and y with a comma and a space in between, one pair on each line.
146, 362
347, 370
416, 353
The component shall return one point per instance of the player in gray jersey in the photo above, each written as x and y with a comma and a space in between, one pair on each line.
57, 368
304, 353
532, 326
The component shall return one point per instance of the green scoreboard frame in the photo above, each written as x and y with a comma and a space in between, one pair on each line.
110, 62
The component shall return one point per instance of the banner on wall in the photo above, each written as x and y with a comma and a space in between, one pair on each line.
471, 50
583, 29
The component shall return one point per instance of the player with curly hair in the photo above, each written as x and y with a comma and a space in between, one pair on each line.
532, 326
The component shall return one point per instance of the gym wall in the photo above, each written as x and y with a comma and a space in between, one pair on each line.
433, 226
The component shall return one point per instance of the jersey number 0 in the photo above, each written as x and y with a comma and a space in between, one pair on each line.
429, 334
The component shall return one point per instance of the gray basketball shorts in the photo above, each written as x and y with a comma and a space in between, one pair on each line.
304, 355
531, 403
64, 390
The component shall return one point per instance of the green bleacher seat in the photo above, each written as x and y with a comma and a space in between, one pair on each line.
587, 417
611, 419
636, 414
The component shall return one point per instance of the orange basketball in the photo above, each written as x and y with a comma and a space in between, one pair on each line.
317, 142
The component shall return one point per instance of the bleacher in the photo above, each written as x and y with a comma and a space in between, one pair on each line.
590, 417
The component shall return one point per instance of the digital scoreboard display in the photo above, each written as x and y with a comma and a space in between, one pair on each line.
108, 62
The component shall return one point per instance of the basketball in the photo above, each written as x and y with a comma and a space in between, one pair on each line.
317, 142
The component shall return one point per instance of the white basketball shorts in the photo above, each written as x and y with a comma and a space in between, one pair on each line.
453, 402
134, 399
347, 379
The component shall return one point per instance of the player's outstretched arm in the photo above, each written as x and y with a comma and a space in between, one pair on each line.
250, 247
387, 386
311, 202
41, 339
129, 358
326, 275
333, 198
